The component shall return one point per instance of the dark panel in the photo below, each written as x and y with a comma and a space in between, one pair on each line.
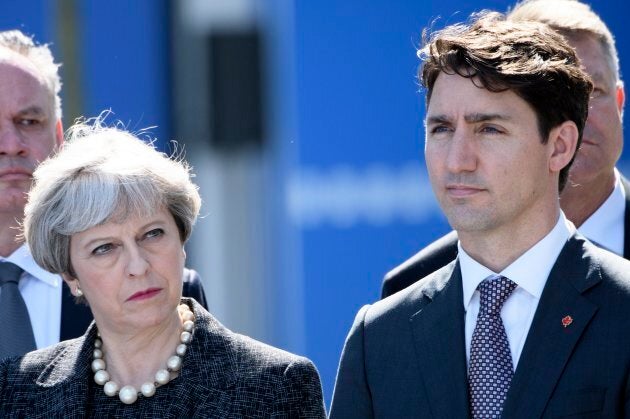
236, 97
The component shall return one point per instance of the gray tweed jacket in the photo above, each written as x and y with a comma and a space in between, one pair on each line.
224, 375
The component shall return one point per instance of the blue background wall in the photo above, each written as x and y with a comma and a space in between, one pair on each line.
358, 196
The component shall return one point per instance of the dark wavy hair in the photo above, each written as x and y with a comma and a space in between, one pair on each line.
528, 58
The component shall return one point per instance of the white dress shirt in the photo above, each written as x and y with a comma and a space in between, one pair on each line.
41, 291
606, 225
529, 272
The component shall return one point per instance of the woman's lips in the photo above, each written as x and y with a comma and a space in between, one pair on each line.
144, 294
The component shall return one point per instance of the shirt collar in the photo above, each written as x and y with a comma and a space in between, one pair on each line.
607, 217
529, 271
22, 257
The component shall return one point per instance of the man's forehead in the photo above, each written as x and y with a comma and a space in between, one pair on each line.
448, 90
23, 87
595, 58
12, 58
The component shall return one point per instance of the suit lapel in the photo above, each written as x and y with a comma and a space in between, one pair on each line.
64, 383
626, 219
438, 330
209, 370
549, 344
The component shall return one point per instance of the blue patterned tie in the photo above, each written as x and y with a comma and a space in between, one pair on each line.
16, 333
490, 367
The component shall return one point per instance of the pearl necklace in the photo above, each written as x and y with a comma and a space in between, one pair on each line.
128, 394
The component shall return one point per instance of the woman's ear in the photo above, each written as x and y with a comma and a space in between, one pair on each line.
73, 283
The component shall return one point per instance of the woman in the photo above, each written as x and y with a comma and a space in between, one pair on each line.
111, 215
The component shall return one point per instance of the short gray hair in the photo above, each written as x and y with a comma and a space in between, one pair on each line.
571, 18
41, 57
102, 174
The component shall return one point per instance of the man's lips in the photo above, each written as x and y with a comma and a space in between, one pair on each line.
461, 191
15, 174
144, 294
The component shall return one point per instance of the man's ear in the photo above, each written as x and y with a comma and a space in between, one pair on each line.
620, 97
563, 139
59, 133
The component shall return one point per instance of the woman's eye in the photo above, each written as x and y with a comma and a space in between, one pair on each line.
102, 249
156, 232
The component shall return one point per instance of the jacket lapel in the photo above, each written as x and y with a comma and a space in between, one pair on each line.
64, 382
438, 330
549, 342
209, 370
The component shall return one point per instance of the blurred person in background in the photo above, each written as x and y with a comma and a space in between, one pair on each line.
36, 310
111, 215
597, 198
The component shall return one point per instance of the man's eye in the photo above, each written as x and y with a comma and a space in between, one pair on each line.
156, 232
103, 249
27, 122
597, 92
438, 129
491, 130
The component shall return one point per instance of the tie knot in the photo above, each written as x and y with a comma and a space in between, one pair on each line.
9, 272
493, 293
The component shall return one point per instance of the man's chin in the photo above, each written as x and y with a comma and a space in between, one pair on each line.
13, 200
467, 222
584, 173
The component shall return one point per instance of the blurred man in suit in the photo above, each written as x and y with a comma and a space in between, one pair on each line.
30, 130
531, 319
597, 199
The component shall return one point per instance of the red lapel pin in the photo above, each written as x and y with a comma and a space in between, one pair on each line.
567, 320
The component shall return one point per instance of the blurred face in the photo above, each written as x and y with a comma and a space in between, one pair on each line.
487, 165
130, 273
29, 131
603, 140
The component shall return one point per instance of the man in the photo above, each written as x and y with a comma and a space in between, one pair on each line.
597, 198
530, 320
30, 130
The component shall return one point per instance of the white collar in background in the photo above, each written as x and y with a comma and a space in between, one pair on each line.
22, 257
605, 226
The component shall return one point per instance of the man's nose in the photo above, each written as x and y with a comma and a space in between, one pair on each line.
11, 141
462, 153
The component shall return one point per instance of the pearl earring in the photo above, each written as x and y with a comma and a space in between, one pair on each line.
79, 292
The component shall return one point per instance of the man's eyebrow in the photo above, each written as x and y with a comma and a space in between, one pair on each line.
482, 117
599, 77
438, 119
32, 110
470, 118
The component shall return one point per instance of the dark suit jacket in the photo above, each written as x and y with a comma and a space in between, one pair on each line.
444, 250
405, 355
224, 375
75, 318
